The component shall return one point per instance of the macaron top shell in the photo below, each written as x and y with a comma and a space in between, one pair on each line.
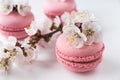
53, 7
86, 50
14, 21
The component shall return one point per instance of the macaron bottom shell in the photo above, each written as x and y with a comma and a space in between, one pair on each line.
83, 66
18, 34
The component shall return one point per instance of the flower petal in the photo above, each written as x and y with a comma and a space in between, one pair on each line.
95, 28
48, 23
73, 35
83, 16
18, 60
80, 44
12, 40
3, 55
23, 8
57, 21
32, 30
66, 18
68, 29
90, 40
6, 6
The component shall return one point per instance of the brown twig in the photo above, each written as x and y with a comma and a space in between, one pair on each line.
38, 36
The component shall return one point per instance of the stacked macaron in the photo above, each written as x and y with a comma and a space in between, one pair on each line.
54, 8
14, 17
80, 47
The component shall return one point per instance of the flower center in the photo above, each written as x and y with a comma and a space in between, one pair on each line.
4, 63
12, 53
73, 38
6, 6
23, 7
89, 32
83, 14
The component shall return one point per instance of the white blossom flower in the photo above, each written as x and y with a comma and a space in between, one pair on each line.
18, 59
31, 52
6, 6
10, 43
92, 32
66, 18
74, 36
57, 21
32, 30
83, 16
10, 51
48, 23
23, 7
13, 50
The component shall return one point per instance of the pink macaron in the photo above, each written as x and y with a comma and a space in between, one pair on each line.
54, 8
14, 17
14, 24
82, 59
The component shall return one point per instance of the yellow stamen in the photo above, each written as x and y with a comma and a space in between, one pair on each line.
82, 14
6, 6
23, 7
73, 38
89, 32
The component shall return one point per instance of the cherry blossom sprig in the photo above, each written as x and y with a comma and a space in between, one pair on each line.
35, 33
81, 28
78, 27
14, 52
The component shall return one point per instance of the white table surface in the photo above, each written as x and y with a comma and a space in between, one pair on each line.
47, 68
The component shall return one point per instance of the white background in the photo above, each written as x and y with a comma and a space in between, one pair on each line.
47, 68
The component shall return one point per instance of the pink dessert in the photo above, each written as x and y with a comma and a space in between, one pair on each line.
54, 8
82, 59
14, 24
14, 17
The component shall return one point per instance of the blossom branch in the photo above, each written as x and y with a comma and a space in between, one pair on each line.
38, 36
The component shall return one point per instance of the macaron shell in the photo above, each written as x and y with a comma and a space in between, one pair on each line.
78, 67
15, 22
53, 8
19, 35
80, 58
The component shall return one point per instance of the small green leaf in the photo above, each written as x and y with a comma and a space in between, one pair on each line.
32, 41
47, 39
55, 27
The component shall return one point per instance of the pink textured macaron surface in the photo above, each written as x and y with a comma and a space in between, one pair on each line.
79, 67
54, 8
19, 34
15, 22
79, 59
